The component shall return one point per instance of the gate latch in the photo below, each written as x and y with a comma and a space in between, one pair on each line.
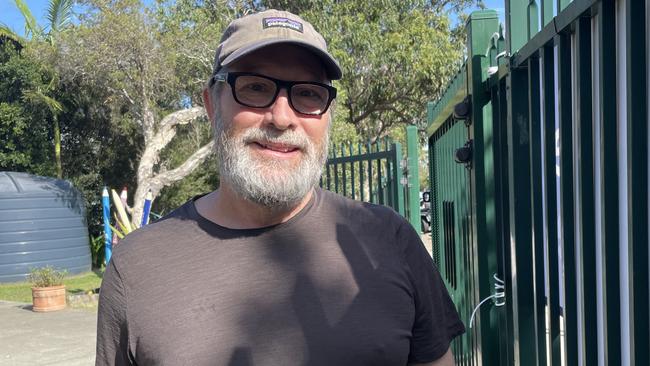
463, 155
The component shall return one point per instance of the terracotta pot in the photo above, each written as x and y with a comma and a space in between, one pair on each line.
48, 298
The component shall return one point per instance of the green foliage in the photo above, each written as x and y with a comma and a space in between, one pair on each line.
46, 276
98, 151
97, 252
201, 181
395, 55
204, 179
59, 14
131, 60
121, 57
31, 27
24, 121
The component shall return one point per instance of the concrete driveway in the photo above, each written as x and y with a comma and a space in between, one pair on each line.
65, 337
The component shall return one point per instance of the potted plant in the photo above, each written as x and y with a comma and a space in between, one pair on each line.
48, 290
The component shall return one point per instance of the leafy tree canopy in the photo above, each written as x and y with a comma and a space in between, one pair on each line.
24, 122
396, 55
130, 75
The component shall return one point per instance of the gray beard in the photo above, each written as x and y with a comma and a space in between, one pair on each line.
272, 183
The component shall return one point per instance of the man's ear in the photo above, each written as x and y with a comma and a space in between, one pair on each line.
207, 102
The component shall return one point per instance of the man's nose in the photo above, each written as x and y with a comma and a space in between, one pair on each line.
281, 114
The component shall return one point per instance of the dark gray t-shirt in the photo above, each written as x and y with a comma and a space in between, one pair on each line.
341, 283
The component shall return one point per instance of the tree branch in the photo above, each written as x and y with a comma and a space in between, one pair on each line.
184, 116
159, 181
174, 175
166, 132
378, 108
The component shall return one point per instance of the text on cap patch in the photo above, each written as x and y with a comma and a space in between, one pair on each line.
282, 22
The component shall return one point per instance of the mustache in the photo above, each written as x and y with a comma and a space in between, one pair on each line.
286, 137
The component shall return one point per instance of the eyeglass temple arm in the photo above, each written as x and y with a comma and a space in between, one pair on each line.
217, 77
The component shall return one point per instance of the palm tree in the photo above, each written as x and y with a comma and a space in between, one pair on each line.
59, 16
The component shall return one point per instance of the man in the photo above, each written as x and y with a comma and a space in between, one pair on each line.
268, 269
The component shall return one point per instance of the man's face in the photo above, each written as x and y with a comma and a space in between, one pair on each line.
272, 156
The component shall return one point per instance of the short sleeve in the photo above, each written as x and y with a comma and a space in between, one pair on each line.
437, 322
112, 330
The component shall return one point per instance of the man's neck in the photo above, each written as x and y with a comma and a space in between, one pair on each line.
227, 208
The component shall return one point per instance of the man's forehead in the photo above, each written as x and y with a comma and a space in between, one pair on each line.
289, 58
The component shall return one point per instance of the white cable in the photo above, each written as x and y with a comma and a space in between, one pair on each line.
502, 54
499, 293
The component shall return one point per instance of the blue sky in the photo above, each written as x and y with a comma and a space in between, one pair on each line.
10, 15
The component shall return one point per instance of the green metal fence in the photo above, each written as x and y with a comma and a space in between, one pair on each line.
554, 200
451, 234
379, 173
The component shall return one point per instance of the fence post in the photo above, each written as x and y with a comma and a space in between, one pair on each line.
398, 186
481, 28
413, 178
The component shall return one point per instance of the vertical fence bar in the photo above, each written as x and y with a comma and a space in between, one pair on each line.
448, 184
623, 182
371, 197
336, 171
532, 19
398, 191
609, 180
344, 168
390, 183
551, 232
433, 186
327, 174
380, 180
501, 219
361, 169
637, 168
353, 186
536, 206
567, 217
598, 242
525, 351
583, 137
547, 11
458, 212
516, 24
433, 179
561, 4
413, 180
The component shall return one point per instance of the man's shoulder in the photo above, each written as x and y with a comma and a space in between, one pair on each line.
162, 232
351, 204
358, 211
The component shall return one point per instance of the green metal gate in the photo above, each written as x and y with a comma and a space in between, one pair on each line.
451, 235
377, 173
557, 115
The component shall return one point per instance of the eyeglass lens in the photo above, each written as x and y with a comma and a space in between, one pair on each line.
257, 91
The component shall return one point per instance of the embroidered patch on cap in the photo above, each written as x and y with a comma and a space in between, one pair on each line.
282, 22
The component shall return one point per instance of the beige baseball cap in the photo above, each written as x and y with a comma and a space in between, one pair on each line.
255, 31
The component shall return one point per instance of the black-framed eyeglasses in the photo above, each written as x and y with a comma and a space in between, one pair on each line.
260, 91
